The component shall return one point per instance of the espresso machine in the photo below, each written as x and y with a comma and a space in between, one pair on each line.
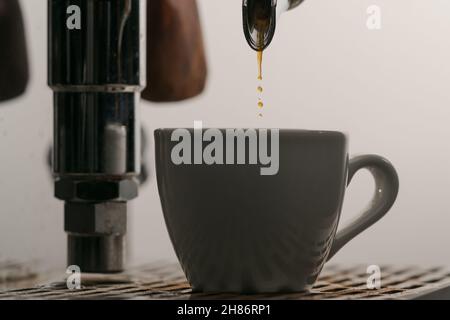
97, 73
122, 50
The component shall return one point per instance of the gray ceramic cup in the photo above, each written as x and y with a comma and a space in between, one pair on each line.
235, 230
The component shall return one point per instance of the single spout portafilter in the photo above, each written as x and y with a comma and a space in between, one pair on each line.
97, 71
260, 20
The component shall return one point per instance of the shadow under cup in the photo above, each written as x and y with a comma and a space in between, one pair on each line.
236, 230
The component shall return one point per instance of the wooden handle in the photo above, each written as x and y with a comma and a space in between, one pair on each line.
176, 61
13, 51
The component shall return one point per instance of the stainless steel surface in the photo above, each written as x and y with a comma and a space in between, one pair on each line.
259, 21
96, 73
96, 235
108, 48
294, 3
93, 253
164, 281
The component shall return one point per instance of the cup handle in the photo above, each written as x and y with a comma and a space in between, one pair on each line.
386, 191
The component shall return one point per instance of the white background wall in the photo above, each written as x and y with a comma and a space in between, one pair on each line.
388, 89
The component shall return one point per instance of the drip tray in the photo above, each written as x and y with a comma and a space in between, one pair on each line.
162, 281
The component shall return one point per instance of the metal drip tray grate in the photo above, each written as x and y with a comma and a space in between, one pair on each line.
168, 282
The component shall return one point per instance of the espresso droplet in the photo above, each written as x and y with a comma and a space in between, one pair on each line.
260, 89
260, 104
260, 61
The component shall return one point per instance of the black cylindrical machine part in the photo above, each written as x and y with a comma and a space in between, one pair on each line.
96, 59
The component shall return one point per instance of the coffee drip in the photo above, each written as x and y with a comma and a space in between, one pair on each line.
260, 18
260, 88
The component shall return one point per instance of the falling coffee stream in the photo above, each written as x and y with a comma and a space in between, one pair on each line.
260, 89
259, 57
